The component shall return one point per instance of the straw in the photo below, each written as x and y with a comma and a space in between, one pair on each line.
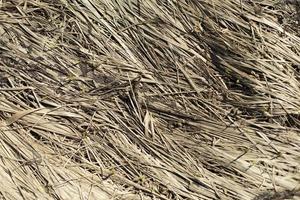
149, 99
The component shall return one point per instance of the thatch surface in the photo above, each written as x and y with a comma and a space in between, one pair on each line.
116, 99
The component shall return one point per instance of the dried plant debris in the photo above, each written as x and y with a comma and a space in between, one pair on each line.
153, 99
278, 195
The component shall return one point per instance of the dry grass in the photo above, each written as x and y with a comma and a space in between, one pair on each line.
154, 99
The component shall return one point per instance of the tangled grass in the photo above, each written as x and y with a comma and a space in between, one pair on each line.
154, 99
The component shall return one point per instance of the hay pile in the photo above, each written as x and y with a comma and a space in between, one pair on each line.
154, 99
